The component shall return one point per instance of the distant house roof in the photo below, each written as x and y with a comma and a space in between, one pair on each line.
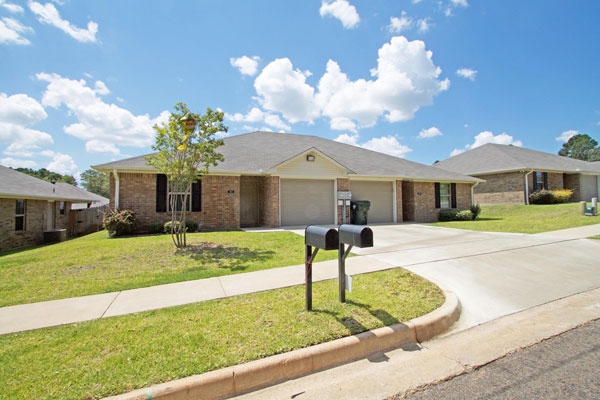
15, 184
262, 152
496, 158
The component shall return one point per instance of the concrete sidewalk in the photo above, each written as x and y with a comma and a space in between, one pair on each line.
493, 274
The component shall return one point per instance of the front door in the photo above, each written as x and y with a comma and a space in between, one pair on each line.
249, 216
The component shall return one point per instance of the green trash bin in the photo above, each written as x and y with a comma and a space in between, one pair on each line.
359, 212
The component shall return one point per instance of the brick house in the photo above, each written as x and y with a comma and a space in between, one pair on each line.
279, 179
29, 207
512, 173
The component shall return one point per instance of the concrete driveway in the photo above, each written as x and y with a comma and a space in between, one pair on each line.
493, 274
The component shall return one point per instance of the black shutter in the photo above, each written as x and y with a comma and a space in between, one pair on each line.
437, 195
197, 196
453, 195
545, 175
161, 193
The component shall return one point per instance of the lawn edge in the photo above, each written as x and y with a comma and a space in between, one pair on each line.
254, 375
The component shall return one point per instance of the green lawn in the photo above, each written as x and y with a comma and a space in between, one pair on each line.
115, 355
525, 219
98, 264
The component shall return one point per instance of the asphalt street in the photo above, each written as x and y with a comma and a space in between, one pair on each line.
563, 367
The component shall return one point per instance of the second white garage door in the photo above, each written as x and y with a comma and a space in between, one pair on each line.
381, 196
306, 202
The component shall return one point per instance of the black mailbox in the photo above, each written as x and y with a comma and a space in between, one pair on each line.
321, 237
356, 235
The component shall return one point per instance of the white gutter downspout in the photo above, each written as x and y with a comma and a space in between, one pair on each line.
473, 193
117, 187
527, 187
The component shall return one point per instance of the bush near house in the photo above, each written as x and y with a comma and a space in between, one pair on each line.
550, 196
120, 223
190, 226
455, 215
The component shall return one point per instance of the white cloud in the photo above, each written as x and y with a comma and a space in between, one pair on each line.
429, 133
103, 126
63, 164
11, 32
17, 163
397, 25
13, 8
282, 89
246, 65
385, 144
256, 115
566, 135
341, 10
467, 73
405, 80
100, 88
488, 137
423, 25
17, 113
460, 3
48, 14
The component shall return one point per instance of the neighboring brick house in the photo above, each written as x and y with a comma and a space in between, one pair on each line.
512, 173
30, 206
279, 179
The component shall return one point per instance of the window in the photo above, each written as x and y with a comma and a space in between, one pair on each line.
165, 191
62, 208
540, 181
445, 195
20, 215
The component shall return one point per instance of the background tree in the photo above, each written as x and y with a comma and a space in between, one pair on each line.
96, 182
581, 147
48, 176
183, 155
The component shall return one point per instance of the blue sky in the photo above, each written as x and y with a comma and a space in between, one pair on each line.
83, 82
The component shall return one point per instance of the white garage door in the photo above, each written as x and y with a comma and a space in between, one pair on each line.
306, 202
381, 196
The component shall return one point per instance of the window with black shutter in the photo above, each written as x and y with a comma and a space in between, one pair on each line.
197, 196
161, 193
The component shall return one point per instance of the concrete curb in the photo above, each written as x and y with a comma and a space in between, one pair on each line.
243, 378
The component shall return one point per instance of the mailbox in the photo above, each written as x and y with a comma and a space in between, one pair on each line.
322, 237
356, 235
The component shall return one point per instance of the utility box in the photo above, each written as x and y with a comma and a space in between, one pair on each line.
355, 235
321, 237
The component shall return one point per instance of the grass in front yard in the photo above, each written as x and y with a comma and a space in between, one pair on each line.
525, 219
115, 355
96, 264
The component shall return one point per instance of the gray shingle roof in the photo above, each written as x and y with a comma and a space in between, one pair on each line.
259, 152
495, 158
15, 184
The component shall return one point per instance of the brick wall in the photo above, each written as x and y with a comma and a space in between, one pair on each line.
269, 201
220, 201
573, 182
506, 188
399, 212
35, 224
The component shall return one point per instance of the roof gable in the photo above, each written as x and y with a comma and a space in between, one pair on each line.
495, 158
260, 152
15, 184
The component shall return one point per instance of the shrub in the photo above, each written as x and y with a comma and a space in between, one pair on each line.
120, 222
455, 215
190, 226
475, 211
550, 196
562, 196
156, 227
541, 197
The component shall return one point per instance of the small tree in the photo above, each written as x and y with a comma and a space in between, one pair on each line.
186, 147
